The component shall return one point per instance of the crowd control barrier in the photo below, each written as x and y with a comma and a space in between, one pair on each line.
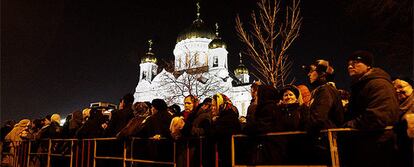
331, 147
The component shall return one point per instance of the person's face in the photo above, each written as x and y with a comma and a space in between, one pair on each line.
153, 110
357, 69
121, 104
403, 89
214, 109
312, 74
289, 97
188, 104
46, 122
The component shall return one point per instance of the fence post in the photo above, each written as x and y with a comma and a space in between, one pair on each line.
333, 148
49, 152
71, 153
233, 159
94, 153
125, 152
174, 155
216, 155
28, 153
201, 151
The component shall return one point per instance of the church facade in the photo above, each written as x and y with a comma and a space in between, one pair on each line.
200, 69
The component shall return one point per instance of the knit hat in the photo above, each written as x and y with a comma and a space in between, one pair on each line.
295, 91
159, 104
363, 56
291, 88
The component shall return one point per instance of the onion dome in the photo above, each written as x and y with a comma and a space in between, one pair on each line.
149, 56
197, 30
217, 42
241, 69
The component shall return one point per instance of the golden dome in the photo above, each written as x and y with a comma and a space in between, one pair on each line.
149, 56
241, 69
197, 30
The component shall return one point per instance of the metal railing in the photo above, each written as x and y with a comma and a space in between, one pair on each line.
332, 137
89, 152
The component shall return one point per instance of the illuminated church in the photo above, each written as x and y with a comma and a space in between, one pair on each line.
200, 69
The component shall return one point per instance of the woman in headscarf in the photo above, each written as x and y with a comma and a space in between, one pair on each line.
19, 133
225, 123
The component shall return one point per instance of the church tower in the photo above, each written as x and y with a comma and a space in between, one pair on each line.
242, 73
192, 45
217, 52
148, 66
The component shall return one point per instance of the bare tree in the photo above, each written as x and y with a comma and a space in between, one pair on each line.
194, 80
271, 35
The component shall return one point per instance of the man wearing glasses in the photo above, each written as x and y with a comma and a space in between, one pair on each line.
373, 106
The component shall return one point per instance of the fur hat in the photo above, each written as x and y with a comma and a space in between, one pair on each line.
319, 66
363, 56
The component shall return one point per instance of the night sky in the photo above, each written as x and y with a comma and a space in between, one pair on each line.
58, 56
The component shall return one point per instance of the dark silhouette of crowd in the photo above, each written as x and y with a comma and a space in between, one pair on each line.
374, 102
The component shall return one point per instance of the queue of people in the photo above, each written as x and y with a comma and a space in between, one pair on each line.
375, 102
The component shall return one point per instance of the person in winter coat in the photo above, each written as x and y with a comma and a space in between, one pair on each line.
181, 128
253, 103
121, 117
53, 130
14, 138
325, 110
374, 103
405, 126
156, 127
93, 127
225, 123
372, 107
291, 113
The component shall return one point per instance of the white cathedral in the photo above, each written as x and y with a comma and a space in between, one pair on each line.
200, 69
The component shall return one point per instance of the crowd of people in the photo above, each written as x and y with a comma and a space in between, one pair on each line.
374, 102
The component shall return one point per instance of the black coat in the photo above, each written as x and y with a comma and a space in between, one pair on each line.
326, 110
373, 103
52, 131
119, 120
159, 123
223, 126
291, 117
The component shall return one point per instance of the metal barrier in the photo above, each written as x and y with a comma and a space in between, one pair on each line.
332, 135
92, 152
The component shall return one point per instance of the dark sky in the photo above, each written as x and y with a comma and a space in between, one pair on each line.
60, 55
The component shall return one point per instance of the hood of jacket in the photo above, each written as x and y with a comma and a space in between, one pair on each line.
374, 73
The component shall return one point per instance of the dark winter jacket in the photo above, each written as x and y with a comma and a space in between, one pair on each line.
159, 123
227, 123
263, 118
326, 110
373, 103
223, 126
52, 131
119, 120
202, 123
92, 128
291, 117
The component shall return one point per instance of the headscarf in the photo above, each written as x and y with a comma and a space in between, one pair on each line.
223, 102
